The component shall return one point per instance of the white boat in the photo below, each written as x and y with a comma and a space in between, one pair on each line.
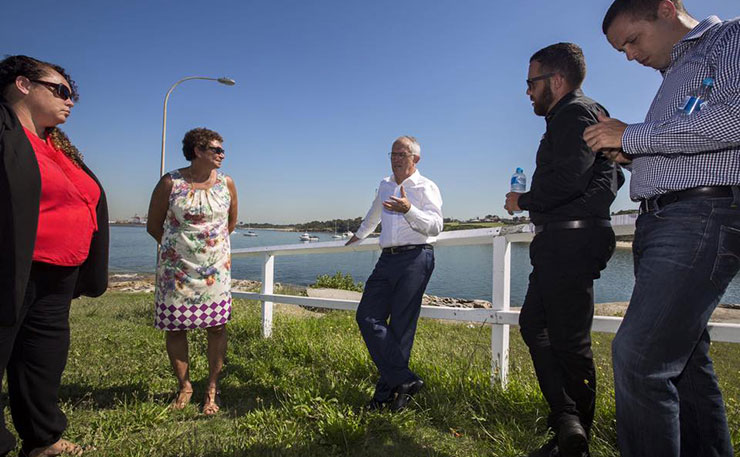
336, 236
249, 231
347, 234
305, 237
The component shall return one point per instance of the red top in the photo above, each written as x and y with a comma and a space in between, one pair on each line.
67, 217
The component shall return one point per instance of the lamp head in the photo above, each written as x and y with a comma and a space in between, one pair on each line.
226, 81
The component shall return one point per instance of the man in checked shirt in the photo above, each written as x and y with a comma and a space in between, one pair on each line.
409, 206
685, 174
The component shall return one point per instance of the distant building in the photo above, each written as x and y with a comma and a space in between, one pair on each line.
138, 219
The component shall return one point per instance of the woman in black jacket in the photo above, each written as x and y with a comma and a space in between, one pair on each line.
54, 244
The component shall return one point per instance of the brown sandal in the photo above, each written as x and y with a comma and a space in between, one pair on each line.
212, 402
60, 447
182, 400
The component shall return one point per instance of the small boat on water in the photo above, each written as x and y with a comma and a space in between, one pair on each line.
249, 231
336, 236
307, 237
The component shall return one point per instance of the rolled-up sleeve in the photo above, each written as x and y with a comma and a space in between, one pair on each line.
716, 127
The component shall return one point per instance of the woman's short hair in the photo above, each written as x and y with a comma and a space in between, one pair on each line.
200, 137
14, 66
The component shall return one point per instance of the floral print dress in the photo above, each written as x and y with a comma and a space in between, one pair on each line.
193, 286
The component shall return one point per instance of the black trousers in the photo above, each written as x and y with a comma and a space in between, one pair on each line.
557, 314
34, 352
388, 313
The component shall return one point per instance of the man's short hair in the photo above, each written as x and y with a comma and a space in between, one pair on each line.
199, 137
411, 142
637, 9
564, 58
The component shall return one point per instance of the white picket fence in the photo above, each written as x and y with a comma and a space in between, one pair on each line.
500, 316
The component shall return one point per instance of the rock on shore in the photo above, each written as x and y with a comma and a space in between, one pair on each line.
141, 282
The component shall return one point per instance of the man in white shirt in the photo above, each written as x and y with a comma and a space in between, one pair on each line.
409, 206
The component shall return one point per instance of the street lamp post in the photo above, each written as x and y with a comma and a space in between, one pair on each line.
224, 80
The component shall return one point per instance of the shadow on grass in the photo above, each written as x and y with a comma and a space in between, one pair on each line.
109, 397
386, 440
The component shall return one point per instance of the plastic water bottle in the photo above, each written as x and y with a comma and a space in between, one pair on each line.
698, 98
519, 182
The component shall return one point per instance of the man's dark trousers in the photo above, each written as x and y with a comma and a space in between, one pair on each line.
668, 399
557, 313
394, 290
34, 351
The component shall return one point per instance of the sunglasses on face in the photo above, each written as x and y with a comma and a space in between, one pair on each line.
217, 150
60, 90
530, 82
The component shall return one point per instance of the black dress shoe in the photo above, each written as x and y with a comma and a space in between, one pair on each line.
549, 449
572, 439
404, 392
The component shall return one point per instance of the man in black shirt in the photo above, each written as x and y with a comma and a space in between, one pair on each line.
568, 203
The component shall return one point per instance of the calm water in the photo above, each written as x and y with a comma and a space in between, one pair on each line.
463, 271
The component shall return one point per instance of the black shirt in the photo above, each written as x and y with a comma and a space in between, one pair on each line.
571, 182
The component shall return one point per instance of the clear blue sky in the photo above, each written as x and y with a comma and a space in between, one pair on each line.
323, 87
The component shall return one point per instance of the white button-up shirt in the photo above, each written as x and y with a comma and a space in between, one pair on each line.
420, 225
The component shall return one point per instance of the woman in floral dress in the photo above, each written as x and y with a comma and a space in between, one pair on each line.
191, 214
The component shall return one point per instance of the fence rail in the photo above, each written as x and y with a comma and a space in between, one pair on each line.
500, 315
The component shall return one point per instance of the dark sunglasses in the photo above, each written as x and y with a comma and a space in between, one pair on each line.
217, 150
60, 90
530, 82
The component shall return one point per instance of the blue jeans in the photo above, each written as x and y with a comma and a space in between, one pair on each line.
393, 291
667, 397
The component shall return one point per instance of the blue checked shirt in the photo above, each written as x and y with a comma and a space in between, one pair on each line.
672, 152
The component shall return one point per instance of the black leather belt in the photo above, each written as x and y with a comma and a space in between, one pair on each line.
654, 203
567, 225
408, 247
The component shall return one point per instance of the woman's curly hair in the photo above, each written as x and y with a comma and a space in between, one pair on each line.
199, 137
14, 66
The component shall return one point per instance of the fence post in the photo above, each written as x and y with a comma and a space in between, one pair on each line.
501, 302
268, 283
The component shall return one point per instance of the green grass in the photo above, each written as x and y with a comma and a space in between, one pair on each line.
342, 281
300, 393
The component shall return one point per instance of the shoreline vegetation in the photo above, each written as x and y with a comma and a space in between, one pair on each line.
623, 241
328, 226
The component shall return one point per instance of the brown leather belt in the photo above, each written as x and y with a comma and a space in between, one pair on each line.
569, 225
408, 247
655, 203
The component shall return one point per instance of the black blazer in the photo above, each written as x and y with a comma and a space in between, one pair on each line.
20, 192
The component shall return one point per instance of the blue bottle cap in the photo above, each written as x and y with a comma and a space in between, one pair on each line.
519, 170
708, 82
